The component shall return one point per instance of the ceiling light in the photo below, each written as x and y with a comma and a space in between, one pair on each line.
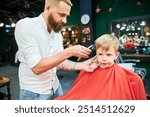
110, 9
138, 2
1, 24
98, 9
118, 25
13, 25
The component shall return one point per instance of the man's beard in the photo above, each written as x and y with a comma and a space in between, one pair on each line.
54, 25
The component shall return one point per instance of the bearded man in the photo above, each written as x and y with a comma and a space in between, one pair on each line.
40, 51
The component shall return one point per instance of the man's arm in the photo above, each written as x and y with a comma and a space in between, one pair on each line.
49, 62
89, 65
27, 44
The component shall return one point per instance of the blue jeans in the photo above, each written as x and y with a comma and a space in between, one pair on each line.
29, 95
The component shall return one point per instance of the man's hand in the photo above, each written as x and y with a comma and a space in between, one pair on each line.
89, 65
78, 51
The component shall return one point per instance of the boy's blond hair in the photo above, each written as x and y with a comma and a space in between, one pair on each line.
55, 2
106, 41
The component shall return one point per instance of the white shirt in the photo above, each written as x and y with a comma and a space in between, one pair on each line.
35, 42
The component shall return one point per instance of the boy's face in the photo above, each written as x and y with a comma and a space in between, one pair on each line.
106, 58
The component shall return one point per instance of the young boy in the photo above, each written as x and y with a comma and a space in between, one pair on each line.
109, 81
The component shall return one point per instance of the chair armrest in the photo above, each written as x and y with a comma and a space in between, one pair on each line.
129, 66
132, 61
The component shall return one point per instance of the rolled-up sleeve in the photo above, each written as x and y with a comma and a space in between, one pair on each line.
27, 45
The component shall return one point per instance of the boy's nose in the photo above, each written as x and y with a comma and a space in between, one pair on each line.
104, 58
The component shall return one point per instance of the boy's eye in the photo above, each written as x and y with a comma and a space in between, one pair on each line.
109, 54
100, 54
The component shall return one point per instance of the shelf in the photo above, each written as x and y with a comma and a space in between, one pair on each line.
141, 57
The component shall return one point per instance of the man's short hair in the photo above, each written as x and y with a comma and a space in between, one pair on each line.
55, 2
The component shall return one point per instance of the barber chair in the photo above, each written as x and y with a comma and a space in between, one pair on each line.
130, 65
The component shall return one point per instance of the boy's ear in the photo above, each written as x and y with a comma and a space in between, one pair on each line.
117, 54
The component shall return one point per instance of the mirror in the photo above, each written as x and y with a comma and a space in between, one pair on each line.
133, 33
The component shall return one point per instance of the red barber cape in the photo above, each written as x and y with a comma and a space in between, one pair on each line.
113, 83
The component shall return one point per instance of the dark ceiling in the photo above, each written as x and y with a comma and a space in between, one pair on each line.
13, 6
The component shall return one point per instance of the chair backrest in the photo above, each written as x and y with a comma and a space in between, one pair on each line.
130, 65
120, 59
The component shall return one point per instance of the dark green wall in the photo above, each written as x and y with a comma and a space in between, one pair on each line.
119, 11
104, 17
74, 17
